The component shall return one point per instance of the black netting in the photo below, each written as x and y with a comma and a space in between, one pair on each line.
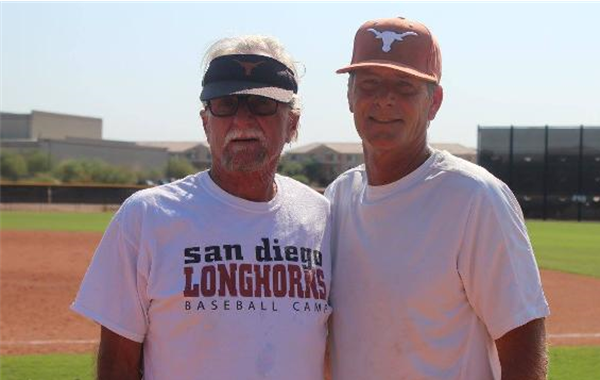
554, 172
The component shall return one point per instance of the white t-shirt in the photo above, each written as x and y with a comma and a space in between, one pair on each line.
216, 287
427, 272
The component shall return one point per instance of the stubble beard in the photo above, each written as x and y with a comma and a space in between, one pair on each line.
245, 160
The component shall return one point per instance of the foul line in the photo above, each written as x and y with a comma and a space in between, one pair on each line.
590, 335
48, 342
95, 341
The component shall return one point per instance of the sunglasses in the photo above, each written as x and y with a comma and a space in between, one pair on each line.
228, 105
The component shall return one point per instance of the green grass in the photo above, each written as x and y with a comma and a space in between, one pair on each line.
567, 246
566, 363
47, 367
54, 221
574, 363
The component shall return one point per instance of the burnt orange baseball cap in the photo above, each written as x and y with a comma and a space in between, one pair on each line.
399, 44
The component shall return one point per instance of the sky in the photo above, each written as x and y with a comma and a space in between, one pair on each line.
138, 65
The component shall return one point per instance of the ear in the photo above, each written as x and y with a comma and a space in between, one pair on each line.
204, 117
350, 98
436, 103
292, 131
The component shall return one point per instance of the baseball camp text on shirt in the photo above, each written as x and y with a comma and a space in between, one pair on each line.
278, 272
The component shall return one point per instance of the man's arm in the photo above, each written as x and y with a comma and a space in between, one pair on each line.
522, 352
118, 357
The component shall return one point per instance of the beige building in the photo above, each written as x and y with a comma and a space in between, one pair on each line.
117, 153
39, 125
336, 158
196, 152
63, 137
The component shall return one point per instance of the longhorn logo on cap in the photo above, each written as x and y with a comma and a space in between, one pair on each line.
249, 66
389, 37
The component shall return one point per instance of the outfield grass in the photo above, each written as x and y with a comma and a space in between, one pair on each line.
567, 246
54, 221
47, 367
574, 363
566, 363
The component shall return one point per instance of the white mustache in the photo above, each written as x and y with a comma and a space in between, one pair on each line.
238, 134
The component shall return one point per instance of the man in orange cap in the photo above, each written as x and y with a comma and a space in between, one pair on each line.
434, 275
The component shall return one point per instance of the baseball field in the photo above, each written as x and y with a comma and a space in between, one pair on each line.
43, 257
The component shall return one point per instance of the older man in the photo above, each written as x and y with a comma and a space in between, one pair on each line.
434, 276
223, 274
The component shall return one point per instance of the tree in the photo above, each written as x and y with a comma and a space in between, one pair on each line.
71, 171
309, 171
290, 168
13, 166
149, 177
45, 177
301, 178
315, 172
38, 162
294, 170
93, 171
104, 173
179, 168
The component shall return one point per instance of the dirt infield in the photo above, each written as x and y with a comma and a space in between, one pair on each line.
40, 274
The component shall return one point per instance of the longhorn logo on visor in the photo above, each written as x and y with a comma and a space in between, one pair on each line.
389, 37
249, 66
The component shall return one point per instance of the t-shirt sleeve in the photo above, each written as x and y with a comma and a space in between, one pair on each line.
497, 265
113, 290
329, 192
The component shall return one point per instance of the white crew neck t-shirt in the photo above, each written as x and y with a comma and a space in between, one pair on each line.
216, 287
427, 272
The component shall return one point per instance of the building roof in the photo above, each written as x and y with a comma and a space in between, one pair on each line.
356, 148
456, 149
173, 146
102, 142
64, 115
14, 115
55, 114
81, 141
342, 147
304, 148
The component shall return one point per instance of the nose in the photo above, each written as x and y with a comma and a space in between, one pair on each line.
243, 114
386, 97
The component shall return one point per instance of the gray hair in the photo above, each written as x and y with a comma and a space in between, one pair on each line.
256, 44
